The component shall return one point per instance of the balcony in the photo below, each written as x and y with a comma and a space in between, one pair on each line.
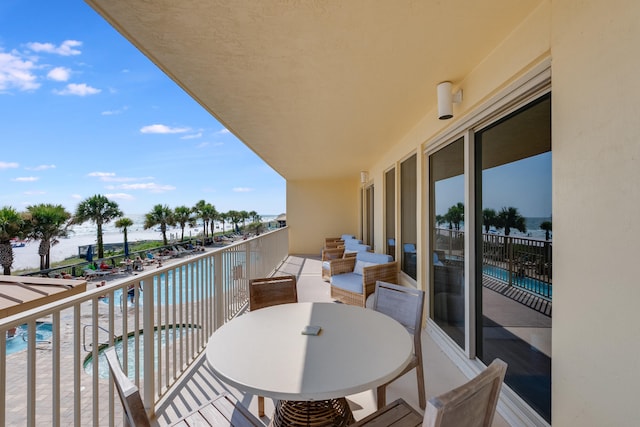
54, 381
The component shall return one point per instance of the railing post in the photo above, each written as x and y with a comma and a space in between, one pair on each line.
507, 241
247, 260
148, 354
218, 290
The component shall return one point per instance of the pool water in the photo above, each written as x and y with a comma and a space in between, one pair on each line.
19, 340
537, 286
103, 366
166, 292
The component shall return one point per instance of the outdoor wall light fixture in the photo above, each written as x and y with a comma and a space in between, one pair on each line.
364, 177
446, 99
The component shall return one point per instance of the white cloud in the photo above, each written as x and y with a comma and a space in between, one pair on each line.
76, 196
126, 179
119, 196
34, 193
192, 136
150, 186
162, 129
59, 74
242, 189
81, 89
101, 174
203, 144
114, 112
16, 73
25, 179
223, 131
8, 165
41, 168
64, 49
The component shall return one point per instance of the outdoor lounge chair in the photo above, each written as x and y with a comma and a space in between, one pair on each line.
328, 255
353, 279
89, 273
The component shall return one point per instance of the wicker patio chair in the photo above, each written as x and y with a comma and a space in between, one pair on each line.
354, 286
333, 242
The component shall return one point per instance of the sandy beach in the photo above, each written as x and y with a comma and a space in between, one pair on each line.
27, 256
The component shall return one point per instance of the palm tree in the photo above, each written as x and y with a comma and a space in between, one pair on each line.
183, 215
455, 215
207, 212
509, 218
124, 223
99, 210
12, 224
222, 217
160, 215
244, 215
254, 216
489, 218
47, 223
546, 226
234, 217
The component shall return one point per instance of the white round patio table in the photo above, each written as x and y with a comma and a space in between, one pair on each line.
265, 353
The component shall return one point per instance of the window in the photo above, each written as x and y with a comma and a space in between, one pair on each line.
368, 235
408, 209
513, 247
390, 211
446, 168
504, 309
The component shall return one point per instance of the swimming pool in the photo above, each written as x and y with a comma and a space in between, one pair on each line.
19, 340
183, 288
103, 367
536, 286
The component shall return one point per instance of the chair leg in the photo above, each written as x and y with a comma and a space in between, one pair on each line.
261, 406
422, 400
382, 396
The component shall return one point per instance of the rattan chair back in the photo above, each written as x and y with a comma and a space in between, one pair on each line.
265, 292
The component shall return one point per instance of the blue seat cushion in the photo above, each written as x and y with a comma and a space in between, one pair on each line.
374, 258
351, 282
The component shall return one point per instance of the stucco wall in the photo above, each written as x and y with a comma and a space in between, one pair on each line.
528, 45
596, 188
319, 209
593, 47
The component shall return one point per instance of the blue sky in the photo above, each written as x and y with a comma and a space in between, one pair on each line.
524, 184
84, 113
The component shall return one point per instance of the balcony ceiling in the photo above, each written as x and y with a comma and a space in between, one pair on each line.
316, 88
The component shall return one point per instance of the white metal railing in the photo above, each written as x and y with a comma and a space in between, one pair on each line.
165, 324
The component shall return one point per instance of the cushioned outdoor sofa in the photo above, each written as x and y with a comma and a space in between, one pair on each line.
353, 279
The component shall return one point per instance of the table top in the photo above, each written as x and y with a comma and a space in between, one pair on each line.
264, 352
